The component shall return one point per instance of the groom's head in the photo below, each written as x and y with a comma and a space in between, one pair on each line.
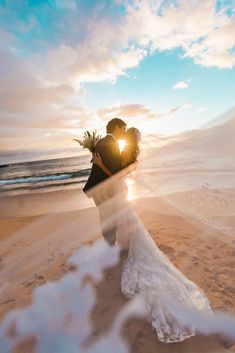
117, 127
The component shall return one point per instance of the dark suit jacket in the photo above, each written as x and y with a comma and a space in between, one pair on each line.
109, 152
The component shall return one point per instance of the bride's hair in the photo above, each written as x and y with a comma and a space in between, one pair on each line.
132, 138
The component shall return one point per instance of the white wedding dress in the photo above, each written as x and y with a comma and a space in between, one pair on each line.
147, 271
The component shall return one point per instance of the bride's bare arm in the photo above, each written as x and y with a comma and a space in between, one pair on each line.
127, 167
98, 161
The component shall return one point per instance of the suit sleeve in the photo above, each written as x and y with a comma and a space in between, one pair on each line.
110, 155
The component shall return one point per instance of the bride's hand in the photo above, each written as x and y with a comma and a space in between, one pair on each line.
97, 159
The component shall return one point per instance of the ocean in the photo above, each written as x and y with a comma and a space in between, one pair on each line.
44, 175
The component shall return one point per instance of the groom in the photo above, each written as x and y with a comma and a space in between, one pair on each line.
104, 199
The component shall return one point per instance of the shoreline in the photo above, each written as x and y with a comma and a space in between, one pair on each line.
42, 203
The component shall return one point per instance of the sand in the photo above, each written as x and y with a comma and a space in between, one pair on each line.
34, 249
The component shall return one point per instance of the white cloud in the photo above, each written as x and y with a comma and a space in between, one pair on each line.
180, 85
102, 55
204, 33
107, 48
178, 108
143, 117
136, 113
58, 130
128, 111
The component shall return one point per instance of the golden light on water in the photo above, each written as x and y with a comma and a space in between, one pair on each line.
121, 144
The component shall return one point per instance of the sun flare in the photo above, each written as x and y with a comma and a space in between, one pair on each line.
121, 144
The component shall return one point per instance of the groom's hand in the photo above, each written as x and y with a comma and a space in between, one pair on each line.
92, 159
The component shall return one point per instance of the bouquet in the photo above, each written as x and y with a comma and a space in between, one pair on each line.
89, 141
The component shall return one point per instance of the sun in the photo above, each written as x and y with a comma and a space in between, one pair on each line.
121, 144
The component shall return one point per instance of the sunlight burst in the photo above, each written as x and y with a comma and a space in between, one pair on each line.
121, 144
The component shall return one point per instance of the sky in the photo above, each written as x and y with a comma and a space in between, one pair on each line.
67, 66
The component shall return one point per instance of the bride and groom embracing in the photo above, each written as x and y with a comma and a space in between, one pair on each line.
106, 181
146, 270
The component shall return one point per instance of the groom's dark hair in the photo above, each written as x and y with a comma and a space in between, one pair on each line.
113, 123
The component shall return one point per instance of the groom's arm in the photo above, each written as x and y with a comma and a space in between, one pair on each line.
110, 155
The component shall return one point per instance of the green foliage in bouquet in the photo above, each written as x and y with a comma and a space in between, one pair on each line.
89, 141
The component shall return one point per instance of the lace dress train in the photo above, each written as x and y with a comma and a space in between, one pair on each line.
149, 272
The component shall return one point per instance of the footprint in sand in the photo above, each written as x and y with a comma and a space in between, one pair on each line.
216, 257
140, 342
67, 268
194, 259
230, 290
109, 276
182, 253
40, 278
27, 284
228, 303
205, 258
104, 310
166, 249
8, 300
206, 269
222, 276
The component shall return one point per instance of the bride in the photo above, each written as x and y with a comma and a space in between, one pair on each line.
147, 271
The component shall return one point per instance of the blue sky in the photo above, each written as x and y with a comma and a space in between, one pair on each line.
210, 91
164, 66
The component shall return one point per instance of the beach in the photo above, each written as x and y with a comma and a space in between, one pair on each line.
36, 241
132, 102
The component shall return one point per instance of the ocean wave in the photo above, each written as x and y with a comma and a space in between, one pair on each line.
69, 184
35, 179
45, 178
